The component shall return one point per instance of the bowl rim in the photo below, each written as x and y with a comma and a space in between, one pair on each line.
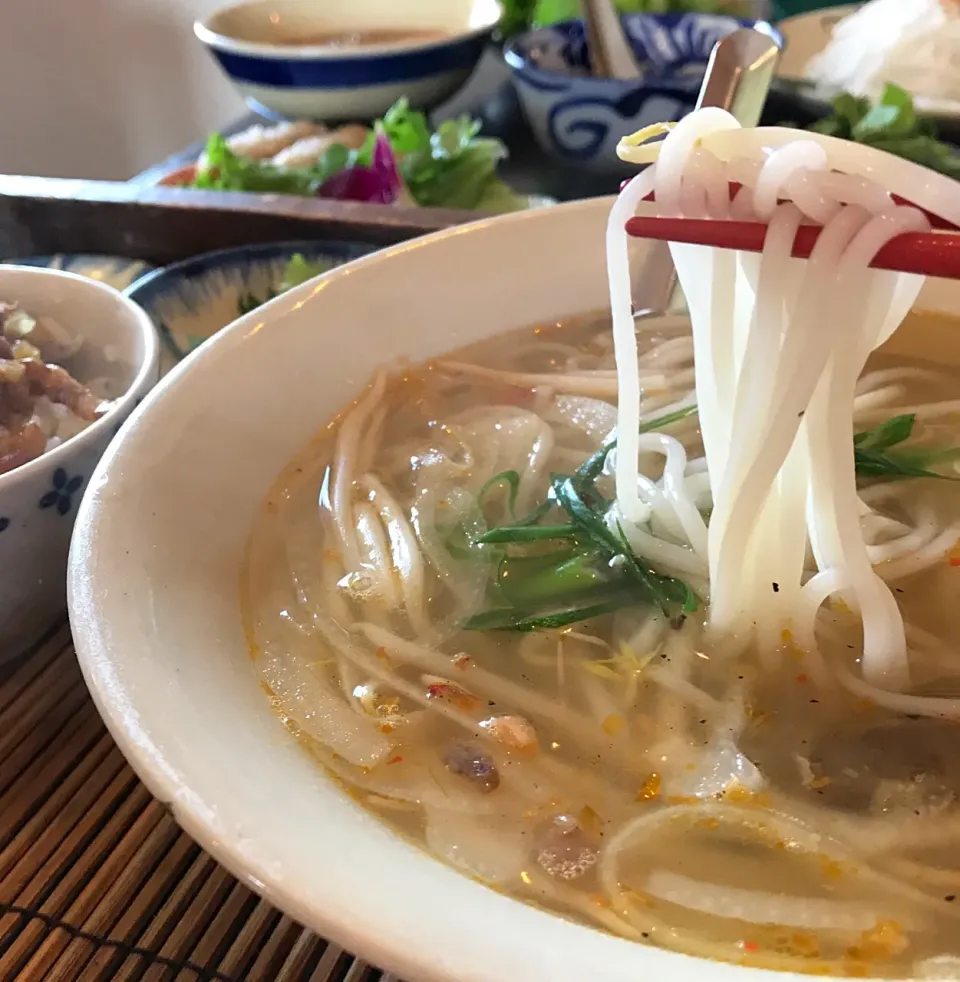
142, 324
151, 284
158, 283
217, 40
520, 61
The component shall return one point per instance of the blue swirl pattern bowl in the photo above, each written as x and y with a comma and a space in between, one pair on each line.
333, 60
578, 118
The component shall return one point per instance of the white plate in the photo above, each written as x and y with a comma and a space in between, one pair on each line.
806, 35
155, 613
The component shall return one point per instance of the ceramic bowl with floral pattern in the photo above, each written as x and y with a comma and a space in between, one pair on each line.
39, 499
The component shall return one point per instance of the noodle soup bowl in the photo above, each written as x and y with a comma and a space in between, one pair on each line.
155, 604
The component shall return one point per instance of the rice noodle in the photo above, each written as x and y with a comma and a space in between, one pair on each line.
772, 369
756, 907
348, 440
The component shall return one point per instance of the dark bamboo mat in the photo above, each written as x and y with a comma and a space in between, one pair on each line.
97, 882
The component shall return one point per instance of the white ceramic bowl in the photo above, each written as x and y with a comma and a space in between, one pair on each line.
38, 501
155, 609
324, 83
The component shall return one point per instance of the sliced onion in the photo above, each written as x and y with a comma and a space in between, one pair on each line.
758, 906
313, 705
591, 416
486, 848
946, 967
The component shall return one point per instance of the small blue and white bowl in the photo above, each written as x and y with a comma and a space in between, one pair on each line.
579, 119
263, 48
115, 271
194, 299
38, 500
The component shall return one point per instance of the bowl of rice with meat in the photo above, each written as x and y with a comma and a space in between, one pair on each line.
75, 359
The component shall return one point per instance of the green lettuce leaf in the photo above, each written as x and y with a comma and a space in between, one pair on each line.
453, 167
891, 124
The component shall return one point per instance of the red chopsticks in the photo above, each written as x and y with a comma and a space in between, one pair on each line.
935, 220
925, 253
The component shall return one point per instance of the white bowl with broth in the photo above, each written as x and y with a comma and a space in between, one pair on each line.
350, 59
161, 549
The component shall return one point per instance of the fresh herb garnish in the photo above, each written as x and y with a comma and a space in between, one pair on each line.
511, 479
594, 570
452, 167
874, 455
526, 533
595, 573
519, 15
554, 578
891, 124
520, 619
298, 270
228, 171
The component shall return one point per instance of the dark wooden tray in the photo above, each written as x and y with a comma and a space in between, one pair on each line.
41, 216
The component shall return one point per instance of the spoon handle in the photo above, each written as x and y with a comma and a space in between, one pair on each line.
737, 79
610, 52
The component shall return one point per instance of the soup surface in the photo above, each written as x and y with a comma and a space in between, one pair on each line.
441, 615
362, 39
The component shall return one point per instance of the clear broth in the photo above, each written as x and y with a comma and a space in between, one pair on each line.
615, 739
379, 37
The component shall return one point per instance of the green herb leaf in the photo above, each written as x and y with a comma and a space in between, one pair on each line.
892, 116
298, 270
247, 302
887, 434
593, 467
517, 619
453, 167
522, 523
874, 456
517, 16
592, 525
528, 581
891, 124
548, 12
526, 533
227, 171
661, 590
509, 478
891, 465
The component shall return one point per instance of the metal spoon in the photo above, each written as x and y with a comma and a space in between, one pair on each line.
737, 79
610, 52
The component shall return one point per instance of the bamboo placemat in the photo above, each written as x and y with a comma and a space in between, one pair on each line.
97, 882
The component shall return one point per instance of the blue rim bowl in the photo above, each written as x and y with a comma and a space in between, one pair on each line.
579, 118
194, 299
251, 42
